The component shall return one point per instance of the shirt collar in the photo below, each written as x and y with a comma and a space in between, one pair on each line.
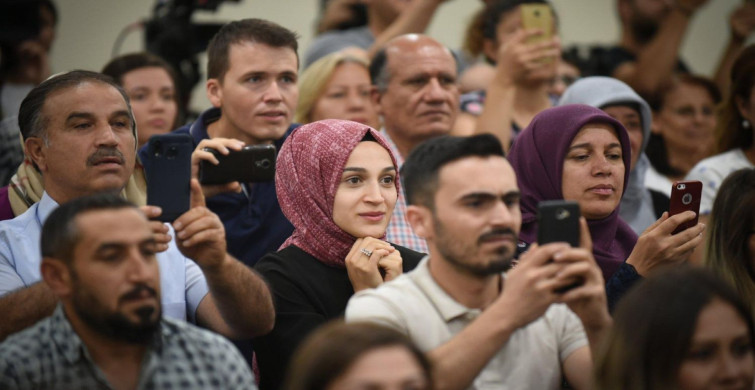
448, 308
46, 206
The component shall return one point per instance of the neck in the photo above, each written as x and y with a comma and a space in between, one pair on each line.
472, 291
685, 159
222, 128
528, 102
62, 195
120, 361
403, 145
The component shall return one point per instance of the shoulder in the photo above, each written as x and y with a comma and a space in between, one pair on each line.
409, 257
19, 349
719, 166
390, 302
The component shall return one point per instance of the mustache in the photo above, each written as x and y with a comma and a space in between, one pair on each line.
498, 234
137, 291
102, 153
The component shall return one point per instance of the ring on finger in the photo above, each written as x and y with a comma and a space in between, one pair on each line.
366, 251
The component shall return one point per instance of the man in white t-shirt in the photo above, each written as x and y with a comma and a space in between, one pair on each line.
481, 328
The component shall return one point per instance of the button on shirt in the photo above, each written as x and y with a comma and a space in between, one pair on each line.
182, 282
399, 231
50, 355
417, 306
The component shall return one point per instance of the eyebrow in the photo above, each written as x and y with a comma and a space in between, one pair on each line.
587, 145
119, 245
489, 195
362, 170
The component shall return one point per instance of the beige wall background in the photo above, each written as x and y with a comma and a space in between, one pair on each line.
87, 29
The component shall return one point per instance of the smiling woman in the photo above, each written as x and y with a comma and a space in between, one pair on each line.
337, 182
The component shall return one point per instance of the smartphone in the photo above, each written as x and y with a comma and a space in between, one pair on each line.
253, 163
538, 16
558, 221
168, 173
685, 195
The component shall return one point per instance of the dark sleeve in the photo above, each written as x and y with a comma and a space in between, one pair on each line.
660, 202
295, 318
621, 282
409, 258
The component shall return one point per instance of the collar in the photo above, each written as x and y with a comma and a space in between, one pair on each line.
446, 306
45, 206
394, 148
198, 129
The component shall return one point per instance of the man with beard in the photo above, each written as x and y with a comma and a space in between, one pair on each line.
108, 331
80, 133
652, 32
482, 328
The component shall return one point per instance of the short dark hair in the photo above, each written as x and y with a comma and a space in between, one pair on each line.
420, 170
495, 11
654, 324
30, 119
332, 349
60, 233
245, 30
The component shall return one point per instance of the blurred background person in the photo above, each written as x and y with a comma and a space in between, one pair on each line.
337, 86
682, 134
150, 83
730, 241
358, 355
519, 87
733, 134
681, 329
567, 72
337, 182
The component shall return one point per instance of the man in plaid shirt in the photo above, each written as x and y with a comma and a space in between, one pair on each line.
418, 97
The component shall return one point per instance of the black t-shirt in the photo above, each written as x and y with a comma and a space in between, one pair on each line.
307, 293
608, 59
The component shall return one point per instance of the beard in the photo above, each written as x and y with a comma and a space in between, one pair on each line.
115, 325
459, 253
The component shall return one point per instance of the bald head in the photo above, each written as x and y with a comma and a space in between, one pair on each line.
417, 94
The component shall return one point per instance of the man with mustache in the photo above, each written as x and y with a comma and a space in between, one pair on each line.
99, 259
652, 32
415, 90
482, 328
80, 133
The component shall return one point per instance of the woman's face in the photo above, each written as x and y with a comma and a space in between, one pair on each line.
347, 96
687, 119
594, 171
385, 368
720, 354
153, 99
632, 121
367, 192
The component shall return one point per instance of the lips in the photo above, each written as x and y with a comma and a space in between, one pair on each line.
374, 216
603, 189
273, 115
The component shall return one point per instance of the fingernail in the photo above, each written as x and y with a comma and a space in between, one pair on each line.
177, 225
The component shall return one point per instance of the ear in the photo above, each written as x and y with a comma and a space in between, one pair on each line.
741, 107
214, 92
57, 276
421, 220
37, 152
490, 49
376, 97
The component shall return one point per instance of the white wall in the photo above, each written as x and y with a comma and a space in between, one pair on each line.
88, 28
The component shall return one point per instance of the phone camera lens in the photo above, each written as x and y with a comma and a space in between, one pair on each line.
265, 164
680, 186
172, 152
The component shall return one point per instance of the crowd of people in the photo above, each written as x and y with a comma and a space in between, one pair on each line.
398, 245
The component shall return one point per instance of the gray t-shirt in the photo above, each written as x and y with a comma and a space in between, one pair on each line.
333, 41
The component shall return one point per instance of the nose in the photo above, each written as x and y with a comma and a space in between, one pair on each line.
502, 215
601, 166
272, 93
140, 268
732, 369
356, 101
434, 91
157, 104
106, 136
373, 194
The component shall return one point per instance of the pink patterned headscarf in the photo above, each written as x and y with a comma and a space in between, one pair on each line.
308, 171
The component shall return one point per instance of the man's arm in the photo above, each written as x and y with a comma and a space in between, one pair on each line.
741, 23
413, 20
657, 60
24, 307
239, 304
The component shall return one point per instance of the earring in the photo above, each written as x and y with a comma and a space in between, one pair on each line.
745, 123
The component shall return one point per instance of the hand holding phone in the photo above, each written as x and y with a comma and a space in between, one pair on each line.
558, 221
168, 172
537, 16
685, 195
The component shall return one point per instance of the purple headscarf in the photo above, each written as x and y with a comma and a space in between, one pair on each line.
308, 170
538, 159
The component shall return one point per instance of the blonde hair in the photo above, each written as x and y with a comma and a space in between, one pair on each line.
313, 80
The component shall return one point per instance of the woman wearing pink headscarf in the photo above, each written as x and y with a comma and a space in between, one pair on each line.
337, 182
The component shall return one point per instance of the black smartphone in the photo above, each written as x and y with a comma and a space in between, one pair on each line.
168, 174
685, 195
558, 221
253, 163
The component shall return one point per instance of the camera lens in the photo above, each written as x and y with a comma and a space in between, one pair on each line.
264, 164
680, 186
